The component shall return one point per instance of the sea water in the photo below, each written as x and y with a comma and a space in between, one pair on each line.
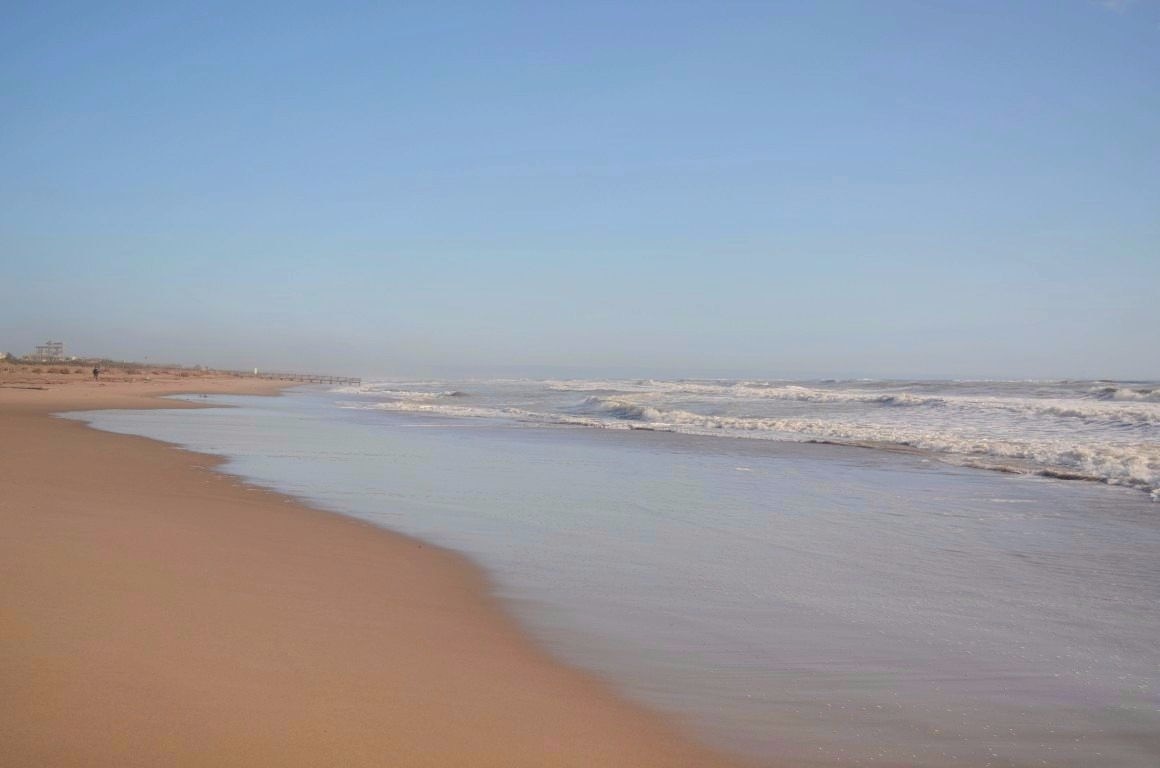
881, 602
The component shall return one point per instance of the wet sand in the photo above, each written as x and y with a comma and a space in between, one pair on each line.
155, 612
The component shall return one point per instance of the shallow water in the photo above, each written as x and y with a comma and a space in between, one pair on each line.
830, 604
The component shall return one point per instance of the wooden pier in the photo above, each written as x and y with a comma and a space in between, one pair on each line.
305, 378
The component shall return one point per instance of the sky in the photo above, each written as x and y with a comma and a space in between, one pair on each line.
780, 189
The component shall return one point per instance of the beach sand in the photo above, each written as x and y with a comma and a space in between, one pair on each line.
154, 612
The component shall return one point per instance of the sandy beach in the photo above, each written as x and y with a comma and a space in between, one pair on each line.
155, 612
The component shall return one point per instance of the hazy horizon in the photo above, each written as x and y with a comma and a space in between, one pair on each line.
379, 371
651, 189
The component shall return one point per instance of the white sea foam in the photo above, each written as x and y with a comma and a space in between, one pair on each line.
379, 390
1098, 431
595, 385
1147, 412
1136, 465
1134, 394
421, 405
1144, 413
416, 405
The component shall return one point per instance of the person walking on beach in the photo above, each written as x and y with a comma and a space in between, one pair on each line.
96, 373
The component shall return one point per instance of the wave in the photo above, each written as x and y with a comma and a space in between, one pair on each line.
744, 390
403, 394
1129, 394
1105, 412
1143, 414
896, 395
1111, 412
620, 409
479, 412
422, 405
379, 390
811, 395
598, 385
1132, 464
1102, 431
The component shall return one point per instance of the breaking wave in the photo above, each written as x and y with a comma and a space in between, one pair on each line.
400, 394
746, 390
1104, 431
1106, 406
1130, 394
1133, 465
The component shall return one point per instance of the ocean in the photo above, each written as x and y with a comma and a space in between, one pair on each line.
921, 573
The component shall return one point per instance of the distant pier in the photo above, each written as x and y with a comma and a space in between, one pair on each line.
305, 378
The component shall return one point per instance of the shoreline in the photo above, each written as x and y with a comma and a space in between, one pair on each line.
162, 613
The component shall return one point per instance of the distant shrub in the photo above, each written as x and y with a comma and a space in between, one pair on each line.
37, 370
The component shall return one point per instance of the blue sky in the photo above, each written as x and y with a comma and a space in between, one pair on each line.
785, 188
